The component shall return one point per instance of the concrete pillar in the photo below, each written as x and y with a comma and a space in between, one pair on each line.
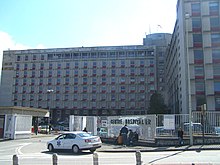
15, 160
95, 159
138, 157
55, 159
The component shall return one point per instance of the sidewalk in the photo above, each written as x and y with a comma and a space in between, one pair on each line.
120, 148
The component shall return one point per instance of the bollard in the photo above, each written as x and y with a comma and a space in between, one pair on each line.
138, 157
95, 159
55, 159
15, 160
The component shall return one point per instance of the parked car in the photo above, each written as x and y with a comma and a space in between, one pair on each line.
44, 129
217, 131
196, 127
102, 132
75, 141
162, 131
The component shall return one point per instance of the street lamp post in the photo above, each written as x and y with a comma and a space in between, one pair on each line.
188, 76
49, 91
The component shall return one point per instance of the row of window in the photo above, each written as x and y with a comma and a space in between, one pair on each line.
84, 80
85, 89
86, 64
85, 55
85, 72
86, 105
213, 8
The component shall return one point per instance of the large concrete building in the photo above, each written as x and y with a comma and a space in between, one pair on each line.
111, 80
195, 45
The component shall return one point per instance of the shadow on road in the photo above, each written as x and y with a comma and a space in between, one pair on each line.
66, 152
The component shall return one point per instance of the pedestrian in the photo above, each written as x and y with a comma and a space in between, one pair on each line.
85, 130
180, 136
131, 137
124, 134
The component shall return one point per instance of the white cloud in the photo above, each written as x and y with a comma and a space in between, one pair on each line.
7, 42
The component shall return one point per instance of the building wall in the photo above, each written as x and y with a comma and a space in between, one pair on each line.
201, 30
85, 81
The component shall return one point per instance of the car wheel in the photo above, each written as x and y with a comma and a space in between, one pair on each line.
75, 149
50, 147
92, 150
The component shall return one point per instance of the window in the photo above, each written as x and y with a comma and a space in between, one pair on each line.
75, 89
34, 57
18, 58
217, 103
59, 65
217, 86
85, 65
123, 63
132, 71
93, 80
113, 80
104, 64
214, 8
196, 9
85, 72
122, 80
113, 88
200, 86
122, 88
113, 64
42, 57
85, 80
50, 66
25, 66
216, 55
67, 73
122, 97
215, 39
50, 73
94, 64
196, 24
67, 80
103, 72
93, 88
197, 40
198, 56
94, 72
57, 89
75, 80
103, 80
199, 72
26, 58
68, 65
132, 80
76, 72
216, 71
215, 24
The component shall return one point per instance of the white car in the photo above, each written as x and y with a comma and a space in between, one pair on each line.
75, 141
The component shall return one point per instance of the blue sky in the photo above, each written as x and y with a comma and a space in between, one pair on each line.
32, 24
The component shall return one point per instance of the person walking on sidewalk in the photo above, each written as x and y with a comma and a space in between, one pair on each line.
124, 134
180, 136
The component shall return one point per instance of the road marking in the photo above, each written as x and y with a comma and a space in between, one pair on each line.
18, 149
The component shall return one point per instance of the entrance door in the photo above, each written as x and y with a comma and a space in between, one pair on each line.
2, 119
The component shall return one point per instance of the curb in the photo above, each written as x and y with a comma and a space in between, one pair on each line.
187, 148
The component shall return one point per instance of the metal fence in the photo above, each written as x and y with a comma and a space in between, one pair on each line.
209, 121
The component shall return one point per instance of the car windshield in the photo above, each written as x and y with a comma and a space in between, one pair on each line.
84, 134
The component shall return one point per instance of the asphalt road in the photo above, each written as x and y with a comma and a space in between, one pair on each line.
34, 152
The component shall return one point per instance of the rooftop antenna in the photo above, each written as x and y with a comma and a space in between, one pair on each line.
149, 29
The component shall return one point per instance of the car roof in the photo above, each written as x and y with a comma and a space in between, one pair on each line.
73, 132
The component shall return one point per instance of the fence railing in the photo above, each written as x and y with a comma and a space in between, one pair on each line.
209, 121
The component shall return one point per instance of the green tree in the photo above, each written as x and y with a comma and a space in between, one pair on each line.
157, 105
